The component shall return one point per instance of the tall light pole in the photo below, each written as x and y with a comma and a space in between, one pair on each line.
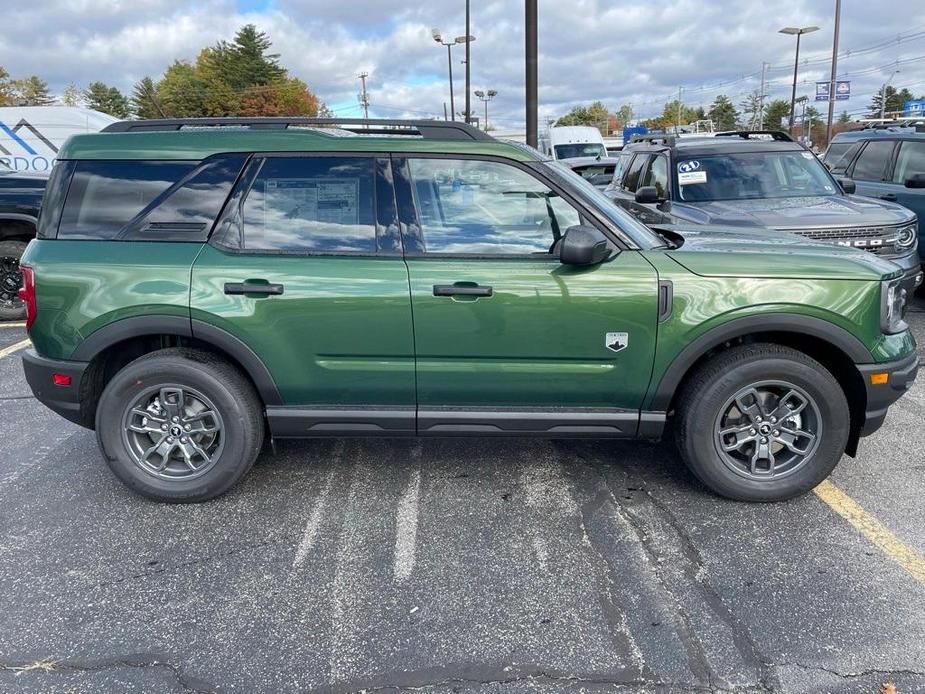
798, 32
530, 41
828, 127
883, 94
438, 37
486, 97
468, 106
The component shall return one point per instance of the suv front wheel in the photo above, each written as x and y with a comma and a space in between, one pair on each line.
762, 422
179, 425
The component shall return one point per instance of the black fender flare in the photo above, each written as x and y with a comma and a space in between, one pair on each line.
796, 324
181, 326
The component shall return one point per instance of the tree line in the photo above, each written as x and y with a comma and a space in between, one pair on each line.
230, 78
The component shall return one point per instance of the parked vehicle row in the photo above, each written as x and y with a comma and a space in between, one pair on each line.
195, 288
760, 180
20, 200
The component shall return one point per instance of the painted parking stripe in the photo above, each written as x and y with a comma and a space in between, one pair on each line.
871, 528
15, 347
406, 529
16, 324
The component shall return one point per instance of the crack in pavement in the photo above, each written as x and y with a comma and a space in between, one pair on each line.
849, 675
131, 660
692, 570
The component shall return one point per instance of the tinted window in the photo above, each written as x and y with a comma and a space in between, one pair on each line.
834, 154
911, 161
105, 195
484, 207
657, 176
323, 204
622, 161
631, 181
581, 149
871, 165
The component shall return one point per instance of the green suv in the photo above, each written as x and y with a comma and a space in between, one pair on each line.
200, 285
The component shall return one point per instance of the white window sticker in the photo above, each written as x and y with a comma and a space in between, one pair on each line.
689, 177
688, 166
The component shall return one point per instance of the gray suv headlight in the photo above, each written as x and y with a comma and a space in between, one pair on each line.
907, 236
893, 300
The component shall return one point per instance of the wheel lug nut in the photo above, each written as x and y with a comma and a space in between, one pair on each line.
752, 432
170, 439
188, 427
183, 439
758, 418
764, 439
776, 432
773, 420
163, 427
175, 419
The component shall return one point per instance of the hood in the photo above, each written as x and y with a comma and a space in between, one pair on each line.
737, 252
800, 213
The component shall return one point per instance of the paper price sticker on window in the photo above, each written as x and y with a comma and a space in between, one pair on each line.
686, 178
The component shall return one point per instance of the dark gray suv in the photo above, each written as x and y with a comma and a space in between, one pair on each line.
760, 179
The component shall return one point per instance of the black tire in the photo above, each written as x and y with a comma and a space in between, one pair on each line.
704, 403
11, 307
208, 381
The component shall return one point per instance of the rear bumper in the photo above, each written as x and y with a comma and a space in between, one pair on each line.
901, 375
65, 400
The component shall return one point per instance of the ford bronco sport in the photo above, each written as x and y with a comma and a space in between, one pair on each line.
198, 285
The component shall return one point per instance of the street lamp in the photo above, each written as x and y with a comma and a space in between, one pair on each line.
798, 32
438, 37
486, 97
883, 94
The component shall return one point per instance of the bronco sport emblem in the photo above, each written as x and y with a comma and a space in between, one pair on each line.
616, 342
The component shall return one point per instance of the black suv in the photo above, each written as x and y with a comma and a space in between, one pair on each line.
20, 198
759, 179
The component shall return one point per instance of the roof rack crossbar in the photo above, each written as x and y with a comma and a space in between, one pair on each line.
777, 135
667, 140
427, 129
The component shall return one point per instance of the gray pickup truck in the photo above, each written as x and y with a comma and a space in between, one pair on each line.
20, 199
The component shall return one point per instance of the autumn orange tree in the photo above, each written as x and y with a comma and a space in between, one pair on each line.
236, 78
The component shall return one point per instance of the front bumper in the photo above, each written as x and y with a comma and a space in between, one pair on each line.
65, 400
900, 376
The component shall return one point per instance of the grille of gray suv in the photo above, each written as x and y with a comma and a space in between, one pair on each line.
879, 240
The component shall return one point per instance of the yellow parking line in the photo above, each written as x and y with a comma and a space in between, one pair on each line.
16, 324
15, 347
871, 528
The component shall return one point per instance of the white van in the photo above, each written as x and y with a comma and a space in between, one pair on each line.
30, 136
572, 141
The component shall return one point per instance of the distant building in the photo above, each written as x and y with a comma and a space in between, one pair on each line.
914, 108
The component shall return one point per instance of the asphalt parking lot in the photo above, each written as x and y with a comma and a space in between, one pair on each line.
456, 565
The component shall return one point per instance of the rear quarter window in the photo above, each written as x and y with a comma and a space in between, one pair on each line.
104, 196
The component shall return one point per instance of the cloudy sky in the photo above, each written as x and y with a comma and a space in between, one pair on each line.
618, 52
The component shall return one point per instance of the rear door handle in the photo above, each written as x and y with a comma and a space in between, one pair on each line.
253, 288
461, 290
891, 197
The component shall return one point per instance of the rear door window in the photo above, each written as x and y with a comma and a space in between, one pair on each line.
873, 162
911, 160
104, 196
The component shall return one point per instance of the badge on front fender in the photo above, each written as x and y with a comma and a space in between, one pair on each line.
616, 342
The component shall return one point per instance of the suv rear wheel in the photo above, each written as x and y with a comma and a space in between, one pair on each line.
762, 422
11, 306
179, 425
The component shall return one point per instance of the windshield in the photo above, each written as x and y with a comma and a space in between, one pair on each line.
580, 149
640, 234
751, 176
597, 175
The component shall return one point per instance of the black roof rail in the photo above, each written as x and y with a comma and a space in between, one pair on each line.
428, 129
667, 140
776, 135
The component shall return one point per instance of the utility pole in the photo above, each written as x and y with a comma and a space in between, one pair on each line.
530, 22
761, 96
678, 128
828, 127
364, 96
468, 58
883, 94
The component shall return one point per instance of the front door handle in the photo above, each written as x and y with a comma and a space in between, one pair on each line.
461, 290
262, 288
890, 197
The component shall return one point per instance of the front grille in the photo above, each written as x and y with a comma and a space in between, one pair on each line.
879, 240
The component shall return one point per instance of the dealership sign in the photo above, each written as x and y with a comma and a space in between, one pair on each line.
842, 90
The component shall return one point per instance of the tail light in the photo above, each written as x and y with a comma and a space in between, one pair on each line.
27, 294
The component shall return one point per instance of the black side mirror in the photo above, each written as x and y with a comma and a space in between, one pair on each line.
583, 245
847, 185
916, 181
647, 195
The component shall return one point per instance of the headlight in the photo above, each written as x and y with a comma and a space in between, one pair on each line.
907, 236
893, 298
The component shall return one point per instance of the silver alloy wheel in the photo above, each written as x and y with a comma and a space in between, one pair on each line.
768, 430
173, 432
